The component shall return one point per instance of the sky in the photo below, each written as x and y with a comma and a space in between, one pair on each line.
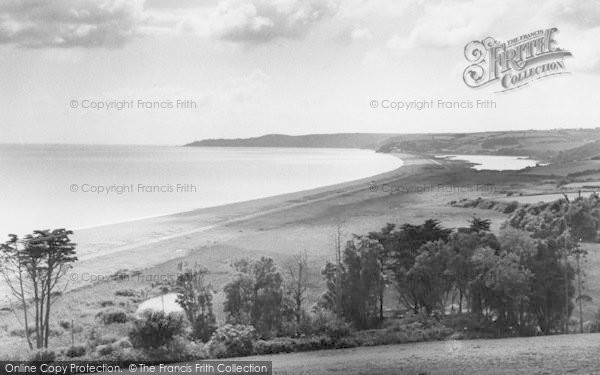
253, 67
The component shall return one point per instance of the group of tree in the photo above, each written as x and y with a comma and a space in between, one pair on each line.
511, 282
544, 219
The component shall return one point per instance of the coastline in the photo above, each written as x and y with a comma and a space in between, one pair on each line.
147, 243
185, 223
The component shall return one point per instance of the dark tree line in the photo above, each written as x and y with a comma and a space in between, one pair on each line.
512, 283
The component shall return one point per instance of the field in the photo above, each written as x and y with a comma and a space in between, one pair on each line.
563, 354
566, 354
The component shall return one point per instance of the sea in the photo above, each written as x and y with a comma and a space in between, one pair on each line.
82, 186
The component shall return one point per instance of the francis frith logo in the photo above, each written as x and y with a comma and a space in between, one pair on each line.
514, 63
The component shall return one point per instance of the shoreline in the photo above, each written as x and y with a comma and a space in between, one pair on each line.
151, 243
213, 216
194, 210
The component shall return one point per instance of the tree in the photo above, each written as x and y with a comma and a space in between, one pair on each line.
400, 248
478, 224
298, 281
361, 283
39, 265
255, 296
268, 302
239, 294
431, 278
501, 289
195, 298
14, 274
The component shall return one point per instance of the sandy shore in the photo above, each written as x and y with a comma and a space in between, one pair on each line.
148, 242
285, 224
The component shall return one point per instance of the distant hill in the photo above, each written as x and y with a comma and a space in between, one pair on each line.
344, 140
558, 145
590, 150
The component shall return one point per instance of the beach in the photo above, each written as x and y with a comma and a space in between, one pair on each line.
282, 225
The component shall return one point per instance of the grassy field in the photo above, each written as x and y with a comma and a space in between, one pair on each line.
562, 354
565, 354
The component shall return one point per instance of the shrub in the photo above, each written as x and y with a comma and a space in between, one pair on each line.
104, 350
106, 339
106, 303
179, 349
327, 323
111, 315
232, 341
75, 351
126, 293
20, 332
44, 356
155, 329
123, 343
275, 346
593, 326
511, 207
64, 324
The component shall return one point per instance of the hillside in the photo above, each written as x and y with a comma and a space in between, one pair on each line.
556, 145
559, 145
344, 140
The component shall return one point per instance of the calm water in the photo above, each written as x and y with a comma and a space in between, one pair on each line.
495, 162
76, 186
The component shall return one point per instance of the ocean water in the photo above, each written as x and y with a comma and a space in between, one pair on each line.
495, 162
78, 186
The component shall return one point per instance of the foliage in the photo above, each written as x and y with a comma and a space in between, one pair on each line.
327, 323
33, 267
155, 329
255, 296
549, 219
43, 355
112, 315
195, 297
75, 351
363, 283
232, 340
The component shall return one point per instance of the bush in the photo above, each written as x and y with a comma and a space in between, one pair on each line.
232, 341
327, 323
44, 356
110, 316
179, 349
126, 293
106, 339
104, 350
123, 343
275, 346
511, 207
75, 351
155, 329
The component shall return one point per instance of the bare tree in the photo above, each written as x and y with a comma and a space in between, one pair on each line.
298, 273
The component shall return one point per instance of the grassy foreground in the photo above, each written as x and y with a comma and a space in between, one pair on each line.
562, 354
